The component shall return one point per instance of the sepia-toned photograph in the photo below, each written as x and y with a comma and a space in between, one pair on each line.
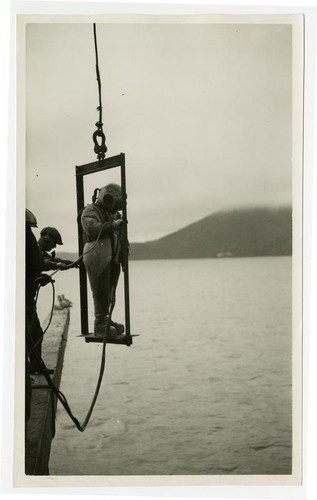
160, 206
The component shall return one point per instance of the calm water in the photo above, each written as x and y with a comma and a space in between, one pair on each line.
205, 389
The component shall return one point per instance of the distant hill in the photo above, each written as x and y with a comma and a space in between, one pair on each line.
235, 233
66, 255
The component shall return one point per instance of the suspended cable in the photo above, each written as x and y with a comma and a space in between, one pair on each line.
98, 75
56, 391
99, 149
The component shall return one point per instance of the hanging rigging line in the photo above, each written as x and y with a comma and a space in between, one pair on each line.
99, 149
51, 385
98, 75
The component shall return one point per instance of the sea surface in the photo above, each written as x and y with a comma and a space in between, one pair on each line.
205, 389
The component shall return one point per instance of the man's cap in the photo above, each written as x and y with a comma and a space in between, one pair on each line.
52, 233
30, 218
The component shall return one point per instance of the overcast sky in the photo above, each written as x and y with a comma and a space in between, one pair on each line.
203, 113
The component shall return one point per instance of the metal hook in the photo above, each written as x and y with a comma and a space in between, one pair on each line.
99, 149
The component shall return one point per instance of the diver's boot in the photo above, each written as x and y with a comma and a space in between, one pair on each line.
111, 332
100, 328
118, 326
103, 330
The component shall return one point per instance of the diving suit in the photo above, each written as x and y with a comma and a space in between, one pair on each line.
101, 223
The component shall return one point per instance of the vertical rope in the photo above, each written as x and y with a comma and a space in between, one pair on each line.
100, 149
98, 75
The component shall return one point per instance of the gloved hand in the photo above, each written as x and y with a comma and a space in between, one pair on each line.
62, 267
44, 279
117, 223
68, 262
71, 264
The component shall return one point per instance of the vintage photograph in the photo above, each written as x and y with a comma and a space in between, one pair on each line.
161, 209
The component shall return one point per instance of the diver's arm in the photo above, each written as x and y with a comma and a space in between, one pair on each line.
93, 226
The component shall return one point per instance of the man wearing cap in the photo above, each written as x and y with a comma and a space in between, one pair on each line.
34, 265
49, 238
33, 331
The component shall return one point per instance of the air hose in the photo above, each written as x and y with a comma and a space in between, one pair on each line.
61, 397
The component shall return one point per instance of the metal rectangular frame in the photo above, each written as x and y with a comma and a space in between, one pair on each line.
81, 171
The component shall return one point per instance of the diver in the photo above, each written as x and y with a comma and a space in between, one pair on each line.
102, 225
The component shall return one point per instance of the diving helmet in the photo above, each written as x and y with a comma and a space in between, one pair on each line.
111, 197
